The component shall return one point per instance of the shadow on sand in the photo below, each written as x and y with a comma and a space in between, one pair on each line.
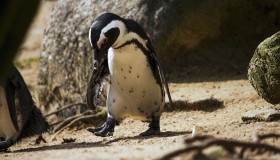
62, 146
206, 105
162, 134
96, 144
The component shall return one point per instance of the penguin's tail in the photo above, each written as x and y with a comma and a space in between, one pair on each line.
36, 124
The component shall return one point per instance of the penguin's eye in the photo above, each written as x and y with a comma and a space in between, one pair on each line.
105, 40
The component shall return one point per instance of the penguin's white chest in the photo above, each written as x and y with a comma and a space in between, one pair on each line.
7, 129
133, 90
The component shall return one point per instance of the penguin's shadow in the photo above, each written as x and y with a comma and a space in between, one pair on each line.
63, 146
162, 134
99, 143
206, 105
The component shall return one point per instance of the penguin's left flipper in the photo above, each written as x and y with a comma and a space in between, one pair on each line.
5, 144
10, 96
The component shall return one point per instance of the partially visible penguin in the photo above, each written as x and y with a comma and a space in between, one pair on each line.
19, 116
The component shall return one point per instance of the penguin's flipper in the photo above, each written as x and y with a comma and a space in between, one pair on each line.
100, 72
10, 96
92, 90
154, 56
5, 144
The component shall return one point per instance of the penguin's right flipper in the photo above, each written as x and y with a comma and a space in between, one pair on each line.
10, 96
5, 144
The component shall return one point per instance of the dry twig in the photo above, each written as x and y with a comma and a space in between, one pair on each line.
71, 121
229, 145
66, 107
267, 136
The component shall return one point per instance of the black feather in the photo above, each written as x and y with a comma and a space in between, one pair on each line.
32, 117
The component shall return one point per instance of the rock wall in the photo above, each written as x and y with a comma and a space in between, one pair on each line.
193, 38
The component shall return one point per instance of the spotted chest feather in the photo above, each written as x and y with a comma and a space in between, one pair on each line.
134, 90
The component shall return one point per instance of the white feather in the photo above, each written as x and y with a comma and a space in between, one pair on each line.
89, 34
7, 129
133, 84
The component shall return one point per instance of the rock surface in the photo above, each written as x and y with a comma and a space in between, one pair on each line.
191, 37
66, 57
264, 69
266, 114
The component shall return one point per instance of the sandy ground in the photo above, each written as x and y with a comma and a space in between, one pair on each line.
215, 107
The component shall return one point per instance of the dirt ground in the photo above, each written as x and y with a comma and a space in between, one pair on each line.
214, 107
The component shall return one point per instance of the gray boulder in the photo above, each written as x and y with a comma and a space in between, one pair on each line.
264, 69
192, 37
66, 57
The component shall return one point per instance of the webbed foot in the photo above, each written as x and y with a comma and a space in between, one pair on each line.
107, 129
154, 128
5, 144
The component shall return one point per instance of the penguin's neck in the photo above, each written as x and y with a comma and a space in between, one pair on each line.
127, 38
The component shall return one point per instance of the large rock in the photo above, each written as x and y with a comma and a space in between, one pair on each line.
66, 57
191, 37
264, 69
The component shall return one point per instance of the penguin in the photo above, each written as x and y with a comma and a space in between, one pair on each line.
19, 116
124, 53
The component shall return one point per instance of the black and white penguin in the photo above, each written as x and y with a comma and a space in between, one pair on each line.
19, 117
124, 52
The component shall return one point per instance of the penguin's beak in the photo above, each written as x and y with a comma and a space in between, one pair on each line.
101, 42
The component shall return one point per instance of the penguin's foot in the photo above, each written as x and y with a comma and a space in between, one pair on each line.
154, 128
4, 145
151, 131
107, 129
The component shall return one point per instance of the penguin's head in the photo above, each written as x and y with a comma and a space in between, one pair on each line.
104, 33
